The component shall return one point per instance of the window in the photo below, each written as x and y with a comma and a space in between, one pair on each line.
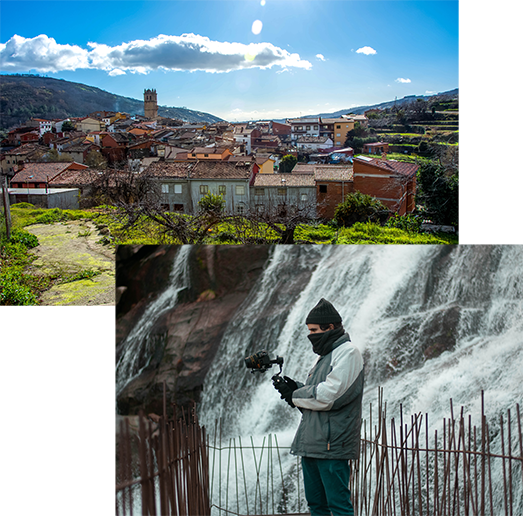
259, 191
178, 189
165, 188
323, 188
206, 155
204, 189
338, 127
178, 207
222, 189
260, 208
315, 127
282, 191
240, 190
303, 196
338, 135
308, 128
240, 208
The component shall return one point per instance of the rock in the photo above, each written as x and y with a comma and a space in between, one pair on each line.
189, 336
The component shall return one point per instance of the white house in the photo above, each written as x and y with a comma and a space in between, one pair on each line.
304, 127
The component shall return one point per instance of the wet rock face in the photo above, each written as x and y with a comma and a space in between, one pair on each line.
184, 341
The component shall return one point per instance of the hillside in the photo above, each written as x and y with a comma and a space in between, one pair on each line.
26, 96
442, 97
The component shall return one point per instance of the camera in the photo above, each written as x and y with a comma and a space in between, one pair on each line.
260, 362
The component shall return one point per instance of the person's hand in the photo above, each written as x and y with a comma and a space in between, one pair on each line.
285, 386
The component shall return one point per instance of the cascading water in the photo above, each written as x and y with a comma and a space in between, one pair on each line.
136, 352
432, 322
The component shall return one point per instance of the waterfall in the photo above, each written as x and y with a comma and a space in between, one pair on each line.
432, 322
136, 349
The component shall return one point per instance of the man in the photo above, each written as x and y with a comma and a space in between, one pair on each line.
330, 402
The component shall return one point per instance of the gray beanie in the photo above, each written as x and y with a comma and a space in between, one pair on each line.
323, 313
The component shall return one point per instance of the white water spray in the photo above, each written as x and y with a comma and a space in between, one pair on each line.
136, 352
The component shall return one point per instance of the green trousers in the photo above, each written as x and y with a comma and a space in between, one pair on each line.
327, 486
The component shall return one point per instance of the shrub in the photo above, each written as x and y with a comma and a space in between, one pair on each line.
410, 222
20, 236
358, 207
212, 204
13, 291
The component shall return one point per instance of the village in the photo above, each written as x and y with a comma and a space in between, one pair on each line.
62, 163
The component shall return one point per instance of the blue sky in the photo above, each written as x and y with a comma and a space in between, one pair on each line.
239, 59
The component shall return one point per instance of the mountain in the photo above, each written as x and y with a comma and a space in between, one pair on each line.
359, 110
26, 96
447, 95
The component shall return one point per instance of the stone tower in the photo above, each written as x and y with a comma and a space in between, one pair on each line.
150, 104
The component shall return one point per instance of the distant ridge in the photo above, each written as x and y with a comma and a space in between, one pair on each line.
26, 96
451, 94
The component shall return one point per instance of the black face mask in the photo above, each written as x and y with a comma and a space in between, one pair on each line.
322, 343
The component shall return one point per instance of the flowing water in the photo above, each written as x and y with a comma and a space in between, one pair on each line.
137, 347
433, 323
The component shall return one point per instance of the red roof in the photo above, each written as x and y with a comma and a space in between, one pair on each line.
396, 167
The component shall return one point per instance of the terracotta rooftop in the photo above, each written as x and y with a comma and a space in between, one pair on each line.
39, 172
333, 173
303, 168
165, 169
222, 169
280, 180
76, 177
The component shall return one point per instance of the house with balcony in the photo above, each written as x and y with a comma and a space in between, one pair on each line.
304, 127
337, 129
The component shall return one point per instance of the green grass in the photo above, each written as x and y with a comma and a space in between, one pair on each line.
146, 232
25, 214
16, 286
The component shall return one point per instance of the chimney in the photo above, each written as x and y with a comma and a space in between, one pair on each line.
383, 155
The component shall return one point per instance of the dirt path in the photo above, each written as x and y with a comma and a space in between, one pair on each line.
69, 248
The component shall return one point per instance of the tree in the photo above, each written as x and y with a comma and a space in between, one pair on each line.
287, 163
358, 207
68, 126
53, 156
94, 159
438, 193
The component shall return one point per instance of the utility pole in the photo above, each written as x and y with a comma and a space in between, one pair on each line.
7, 209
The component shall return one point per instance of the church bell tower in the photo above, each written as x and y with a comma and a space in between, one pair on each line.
150, 104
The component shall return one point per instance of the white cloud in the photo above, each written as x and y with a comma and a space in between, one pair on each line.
404, 81
41, 53
188, 52
366, 50
115, 72
321, 57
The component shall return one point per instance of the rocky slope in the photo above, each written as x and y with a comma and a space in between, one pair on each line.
185, 339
